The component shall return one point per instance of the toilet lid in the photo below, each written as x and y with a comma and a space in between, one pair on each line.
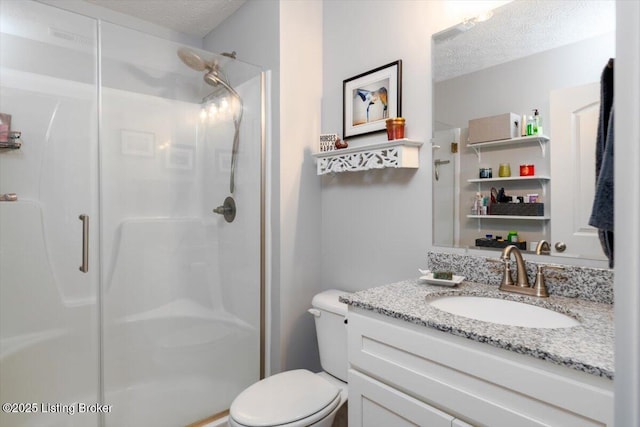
283, 398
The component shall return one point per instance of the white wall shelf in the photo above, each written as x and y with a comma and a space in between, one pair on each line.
542, 180
511, 178
6, 146
540, 139
400, 153
512, 217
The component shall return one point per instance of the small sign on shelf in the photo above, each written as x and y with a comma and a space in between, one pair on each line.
328, 142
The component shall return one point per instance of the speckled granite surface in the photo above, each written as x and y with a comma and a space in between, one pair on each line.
593, 284
587, 347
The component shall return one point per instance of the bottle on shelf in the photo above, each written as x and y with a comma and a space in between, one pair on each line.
537, 123
530, 126
476, 208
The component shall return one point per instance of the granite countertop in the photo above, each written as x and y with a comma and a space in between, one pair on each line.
587, 347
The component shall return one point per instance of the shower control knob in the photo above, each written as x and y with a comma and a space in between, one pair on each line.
228, 209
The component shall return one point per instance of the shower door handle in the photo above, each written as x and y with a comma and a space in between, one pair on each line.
85, 242
437, 164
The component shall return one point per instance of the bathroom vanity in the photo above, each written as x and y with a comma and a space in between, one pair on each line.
411, 363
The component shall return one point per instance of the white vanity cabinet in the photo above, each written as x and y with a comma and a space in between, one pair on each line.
405, 374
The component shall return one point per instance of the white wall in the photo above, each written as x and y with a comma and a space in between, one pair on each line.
627, 196
301, 69
376, 225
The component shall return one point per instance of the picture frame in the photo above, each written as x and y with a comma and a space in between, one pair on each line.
137, 143
368, 99
179, 157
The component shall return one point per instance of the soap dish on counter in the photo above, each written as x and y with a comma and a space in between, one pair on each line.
455, 280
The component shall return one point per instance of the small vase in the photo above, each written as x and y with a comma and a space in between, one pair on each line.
395, 128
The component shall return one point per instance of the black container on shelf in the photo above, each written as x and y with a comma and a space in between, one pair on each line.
492, 243
517, 209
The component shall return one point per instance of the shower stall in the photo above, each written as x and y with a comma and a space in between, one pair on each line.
127, 297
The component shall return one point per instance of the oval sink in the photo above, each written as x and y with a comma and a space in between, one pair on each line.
503, 312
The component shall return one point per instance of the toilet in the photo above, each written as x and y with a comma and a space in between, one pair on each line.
301, 398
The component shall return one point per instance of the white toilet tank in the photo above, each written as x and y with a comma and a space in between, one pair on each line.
331, 329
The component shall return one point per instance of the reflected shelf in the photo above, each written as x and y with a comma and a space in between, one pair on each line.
10, 145
514, 217
540, 139
512, 178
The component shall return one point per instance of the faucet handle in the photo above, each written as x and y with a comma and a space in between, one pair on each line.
543, 248
550, 267
540, 286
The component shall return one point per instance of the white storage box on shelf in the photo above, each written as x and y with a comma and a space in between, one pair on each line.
494, 128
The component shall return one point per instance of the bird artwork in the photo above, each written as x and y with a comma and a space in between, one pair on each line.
371, 97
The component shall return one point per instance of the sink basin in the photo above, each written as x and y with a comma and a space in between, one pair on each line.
503, 312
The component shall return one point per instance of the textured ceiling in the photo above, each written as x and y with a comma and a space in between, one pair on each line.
518, 29
194, 17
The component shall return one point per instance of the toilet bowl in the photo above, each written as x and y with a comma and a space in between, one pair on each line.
301, 398
296, 398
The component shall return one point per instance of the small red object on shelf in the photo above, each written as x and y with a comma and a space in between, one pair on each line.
527, 170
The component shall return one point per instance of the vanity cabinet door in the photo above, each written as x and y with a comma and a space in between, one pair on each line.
374, 404
487, 386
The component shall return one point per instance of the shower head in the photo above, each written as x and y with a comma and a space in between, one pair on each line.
215, 79
193, 60
213, 74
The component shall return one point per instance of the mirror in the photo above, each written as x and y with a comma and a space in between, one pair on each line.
528, 55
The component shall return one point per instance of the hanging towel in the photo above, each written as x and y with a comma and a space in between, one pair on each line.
602, 211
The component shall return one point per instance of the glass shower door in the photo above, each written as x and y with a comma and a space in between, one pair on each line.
49, 326
161, 319
181, 286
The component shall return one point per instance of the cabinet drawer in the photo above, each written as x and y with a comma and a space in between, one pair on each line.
374, 404
474, 381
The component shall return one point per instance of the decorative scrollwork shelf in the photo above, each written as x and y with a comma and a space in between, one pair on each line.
400, 153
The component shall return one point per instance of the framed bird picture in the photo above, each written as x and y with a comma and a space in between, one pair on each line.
371, 98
